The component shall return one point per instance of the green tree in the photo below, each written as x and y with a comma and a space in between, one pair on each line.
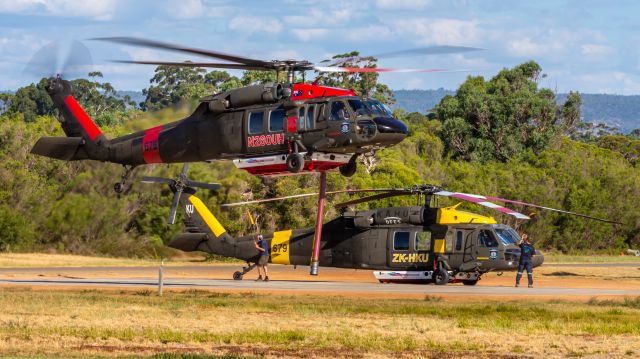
504, 117
364, 83
32, 101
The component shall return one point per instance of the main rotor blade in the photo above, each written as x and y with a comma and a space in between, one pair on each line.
546, 208
204, 185
372, 198
481, 200
377, 69
147, 179
193, 64
172, 47
302, 195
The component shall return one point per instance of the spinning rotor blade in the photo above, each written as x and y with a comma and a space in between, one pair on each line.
171, 47
193, 64
481, 200
497, 199
68, 60
377, 69
429, 50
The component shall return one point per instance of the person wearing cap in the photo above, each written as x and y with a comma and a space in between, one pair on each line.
263, 247
527, 251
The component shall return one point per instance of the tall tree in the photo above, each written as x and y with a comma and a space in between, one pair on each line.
505, 116
364, 83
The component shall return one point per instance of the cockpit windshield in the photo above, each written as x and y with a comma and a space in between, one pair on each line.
507, 236
378, 108
359, 108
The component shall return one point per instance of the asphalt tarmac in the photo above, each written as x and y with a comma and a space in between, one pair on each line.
289, 280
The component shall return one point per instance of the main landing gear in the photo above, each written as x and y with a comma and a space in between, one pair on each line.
237, 275
123, 185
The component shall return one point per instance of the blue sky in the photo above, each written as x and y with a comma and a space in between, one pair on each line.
589, 46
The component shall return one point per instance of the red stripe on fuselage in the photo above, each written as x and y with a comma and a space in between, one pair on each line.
151, 146
85, 121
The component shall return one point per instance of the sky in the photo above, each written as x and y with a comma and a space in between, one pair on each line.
587, 46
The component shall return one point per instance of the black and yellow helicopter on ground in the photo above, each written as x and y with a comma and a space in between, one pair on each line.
413, 243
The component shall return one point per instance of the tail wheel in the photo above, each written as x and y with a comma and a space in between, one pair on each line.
237, 275
295, 162
350, 168
441, 277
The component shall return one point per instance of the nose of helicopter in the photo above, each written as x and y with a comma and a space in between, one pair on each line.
391, 125
390, 131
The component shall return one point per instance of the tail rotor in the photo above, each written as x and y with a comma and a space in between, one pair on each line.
177, 186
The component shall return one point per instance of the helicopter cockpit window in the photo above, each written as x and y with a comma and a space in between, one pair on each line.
339, 111
401, 241
378, 108
506, 237
276, 120
359, 108
486, 239
423, 241
310, 112
255, 122
301, 114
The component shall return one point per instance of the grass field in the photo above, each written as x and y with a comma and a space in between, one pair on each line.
198, 324
26, 260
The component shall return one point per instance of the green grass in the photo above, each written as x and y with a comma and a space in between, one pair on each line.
278, 322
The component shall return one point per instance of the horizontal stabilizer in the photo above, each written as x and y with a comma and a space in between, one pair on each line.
62, 148
187, 242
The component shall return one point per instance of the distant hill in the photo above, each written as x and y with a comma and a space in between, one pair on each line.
614, 110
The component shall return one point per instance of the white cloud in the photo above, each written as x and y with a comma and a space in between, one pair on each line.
596, 50
525, 47
615, 82
187, 9
439, 31
316, 17
254, 24
310, 34
371, 32
95, 9
403, 4
285, 55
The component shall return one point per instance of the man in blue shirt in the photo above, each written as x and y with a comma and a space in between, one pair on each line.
263, 247
527, 251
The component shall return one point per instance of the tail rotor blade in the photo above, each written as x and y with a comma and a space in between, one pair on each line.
148, 179
174, 206
204, 185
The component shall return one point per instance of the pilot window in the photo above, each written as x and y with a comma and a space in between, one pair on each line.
255, 122
310, 112
339, 111
276, 120
401, 241
301, 118
359, 108
458, 240
487, 239
423, 241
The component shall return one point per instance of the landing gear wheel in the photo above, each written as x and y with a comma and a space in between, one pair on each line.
441, 277
295, 162
350, 168
237, 275
470, 282
118, 187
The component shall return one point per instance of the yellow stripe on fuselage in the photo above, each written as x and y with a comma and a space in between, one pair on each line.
281, 247
207, 216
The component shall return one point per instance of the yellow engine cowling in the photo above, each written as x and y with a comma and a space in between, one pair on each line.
451, 215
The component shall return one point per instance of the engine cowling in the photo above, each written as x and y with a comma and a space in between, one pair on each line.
257, 95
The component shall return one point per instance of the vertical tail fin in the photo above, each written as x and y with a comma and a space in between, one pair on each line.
84, 139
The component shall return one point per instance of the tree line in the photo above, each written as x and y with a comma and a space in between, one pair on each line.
502, 136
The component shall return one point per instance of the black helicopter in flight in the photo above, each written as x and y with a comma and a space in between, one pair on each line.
400, 244
266, 129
